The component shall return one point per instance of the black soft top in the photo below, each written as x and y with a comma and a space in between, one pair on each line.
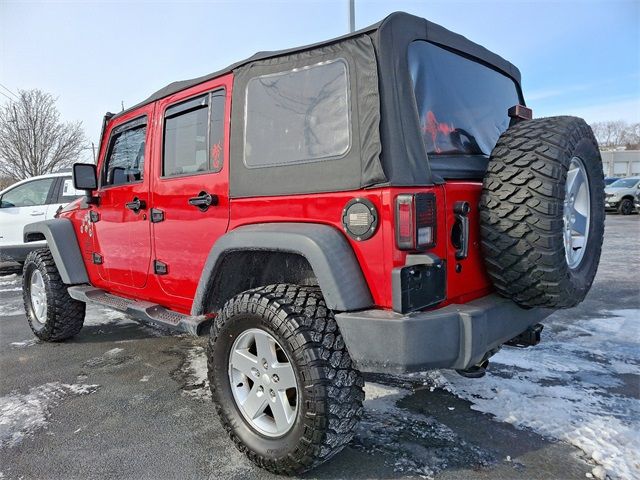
387, 144
393, 29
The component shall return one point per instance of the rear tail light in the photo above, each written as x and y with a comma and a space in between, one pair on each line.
415, 221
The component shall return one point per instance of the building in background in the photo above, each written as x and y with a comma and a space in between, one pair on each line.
624, 163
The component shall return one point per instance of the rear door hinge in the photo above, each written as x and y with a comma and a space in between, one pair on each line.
160, 268
94, 216
157, 215
97, 258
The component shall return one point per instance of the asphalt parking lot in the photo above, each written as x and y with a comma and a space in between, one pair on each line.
124, 400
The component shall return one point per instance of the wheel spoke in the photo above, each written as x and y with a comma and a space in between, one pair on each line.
255, 403
286, 376
266, 348
282, 411
579, 223
575, 180
244, 362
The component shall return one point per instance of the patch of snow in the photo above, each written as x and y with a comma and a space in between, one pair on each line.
12, 279
114, 351
195, 369
25, 343
97, 315
562, 388
22, 414
145, 378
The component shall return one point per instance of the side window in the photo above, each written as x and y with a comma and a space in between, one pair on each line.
125, 159
29, 194
68, 192
298, 116
194, 136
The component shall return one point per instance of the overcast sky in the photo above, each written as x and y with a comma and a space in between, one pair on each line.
580, 58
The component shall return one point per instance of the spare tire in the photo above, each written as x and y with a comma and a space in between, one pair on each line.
542, 212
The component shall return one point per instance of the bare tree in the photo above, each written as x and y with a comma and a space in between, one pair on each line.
616, 134
33, 139
6, 182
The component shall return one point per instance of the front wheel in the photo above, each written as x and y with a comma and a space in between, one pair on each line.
625, 207
281, 378
52, 314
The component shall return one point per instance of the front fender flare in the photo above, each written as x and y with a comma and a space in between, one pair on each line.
63, 244
325, 248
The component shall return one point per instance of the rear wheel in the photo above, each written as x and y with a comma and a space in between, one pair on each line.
282, 379
52, 314
625, 207
542, 212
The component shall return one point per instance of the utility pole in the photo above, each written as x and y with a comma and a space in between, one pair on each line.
93, 149
352, 16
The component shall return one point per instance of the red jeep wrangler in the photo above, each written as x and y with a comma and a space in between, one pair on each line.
379, 202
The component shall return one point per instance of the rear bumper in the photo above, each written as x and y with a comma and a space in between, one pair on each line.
455, 336
18, 253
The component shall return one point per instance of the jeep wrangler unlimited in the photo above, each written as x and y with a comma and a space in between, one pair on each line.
379, 202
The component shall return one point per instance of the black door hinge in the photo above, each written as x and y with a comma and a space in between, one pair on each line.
97, 258
157, 215
160, 268
94, 216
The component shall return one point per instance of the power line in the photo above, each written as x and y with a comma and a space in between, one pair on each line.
1, 85
11, 99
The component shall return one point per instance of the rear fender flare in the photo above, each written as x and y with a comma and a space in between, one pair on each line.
328, 252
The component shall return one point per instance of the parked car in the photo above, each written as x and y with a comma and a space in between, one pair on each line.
28, 201
619, 196
380, 202
636, 202
609, 180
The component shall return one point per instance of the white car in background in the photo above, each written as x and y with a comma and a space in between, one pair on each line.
28, 201
619, 196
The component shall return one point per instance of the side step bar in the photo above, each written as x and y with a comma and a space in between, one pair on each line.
141, 310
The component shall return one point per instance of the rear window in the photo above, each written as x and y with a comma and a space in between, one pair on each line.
298, 116
462, 104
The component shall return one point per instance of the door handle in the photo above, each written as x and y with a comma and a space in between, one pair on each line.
36, 214
461, 211
203, 201
136, 205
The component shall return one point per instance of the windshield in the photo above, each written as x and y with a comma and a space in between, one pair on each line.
462, 104
624, 183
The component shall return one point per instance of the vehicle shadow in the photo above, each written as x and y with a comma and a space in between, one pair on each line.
416, 430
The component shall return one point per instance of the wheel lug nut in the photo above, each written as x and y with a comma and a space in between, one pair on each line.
275, 378
255, 372
260, 390
265, 365
273, 394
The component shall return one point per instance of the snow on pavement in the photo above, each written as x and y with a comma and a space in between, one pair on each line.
11, 305
194, 368
22, 414
578, 385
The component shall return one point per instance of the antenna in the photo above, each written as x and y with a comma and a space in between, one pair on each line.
352, 16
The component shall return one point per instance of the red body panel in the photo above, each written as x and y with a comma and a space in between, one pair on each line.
130, 242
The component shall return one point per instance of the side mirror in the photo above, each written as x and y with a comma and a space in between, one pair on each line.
85, 178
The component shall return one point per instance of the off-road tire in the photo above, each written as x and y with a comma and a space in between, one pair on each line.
331, 389
625, 207
65, 316
521, 212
